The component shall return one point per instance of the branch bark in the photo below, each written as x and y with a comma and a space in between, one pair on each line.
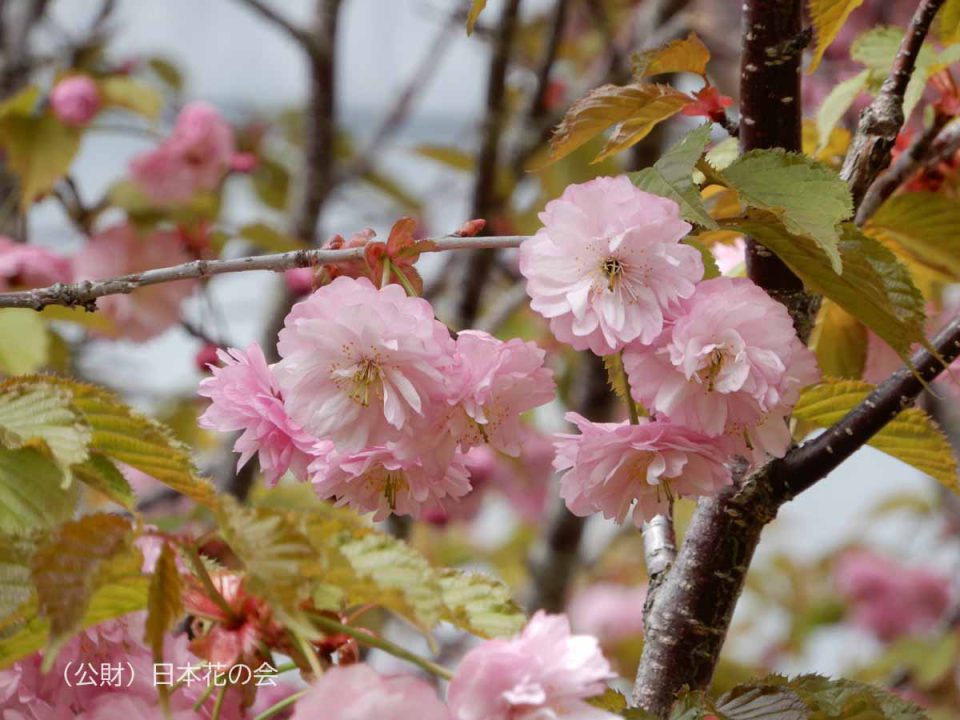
85, 293
485, 195
881, 121
299, 35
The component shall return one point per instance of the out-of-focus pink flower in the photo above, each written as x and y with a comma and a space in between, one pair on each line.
75, 100
361, 366
193, 159
382, 480
888, 598
544, 672
30, 266
147, 311
243, 162
731, 256
111, 706
525, 480
608, 466
245, 396
205, 357
358, 692
608, 611
731, 364
494, 384
607, 267
299, 280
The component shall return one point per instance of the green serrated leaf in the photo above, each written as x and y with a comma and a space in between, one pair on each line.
912, 436
164, 600
16, 587
31, 351
69, 567
876, 49
688, 54
32, 492
875, 287
672, 176
479, 604
948, 22
40, 414
99, 473
808, 196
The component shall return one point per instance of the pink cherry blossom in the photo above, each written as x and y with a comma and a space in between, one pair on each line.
147, 311
193, 159
609, 611
607, 267
609, 466
30, 266
496, 382
729, 257
299, 280
544, 672
525, 480
888, 598
360, 366
75, 100
731, 364
245, 396
358, 692
385, 480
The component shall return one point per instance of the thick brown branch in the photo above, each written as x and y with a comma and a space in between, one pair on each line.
485, 195
881, 121
85, 292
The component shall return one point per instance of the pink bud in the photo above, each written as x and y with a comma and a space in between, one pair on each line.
75, 100
299, 280
207, 355
243, 162
471, 228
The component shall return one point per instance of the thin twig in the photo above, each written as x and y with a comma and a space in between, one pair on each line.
85, 292
881, 121
301, 36
926, 150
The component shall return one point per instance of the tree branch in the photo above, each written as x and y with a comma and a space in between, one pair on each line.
85, 293
773, 42
881, 121
485, 195
298, 34
929, 148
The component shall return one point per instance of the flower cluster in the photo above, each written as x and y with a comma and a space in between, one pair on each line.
374, 401
716, 362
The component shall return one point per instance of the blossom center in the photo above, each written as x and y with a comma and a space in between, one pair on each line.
365, 373
612, 268
710, 370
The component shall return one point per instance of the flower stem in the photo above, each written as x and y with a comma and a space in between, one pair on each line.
631, 405
330, 625
218, 706
282, 705
201, 571
405, 281
385, 278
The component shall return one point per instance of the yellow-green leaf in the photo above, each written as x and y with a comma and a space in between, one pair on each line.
35, 413
479, 604
925, 226
635, 110
99, 473
32, 494
269, 239
476, 7
67, 569
39, 150
911, 436
686, 55
164, 601
31, 351
836, 104
828, 17
114, 599
948, 22
126, 92
840, 342
16, 588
